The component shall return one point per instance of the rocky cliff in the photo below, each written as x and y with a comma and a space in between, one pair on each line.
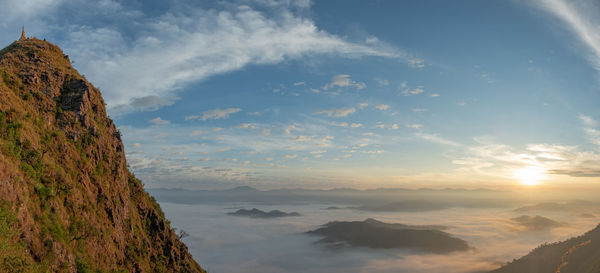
68, 203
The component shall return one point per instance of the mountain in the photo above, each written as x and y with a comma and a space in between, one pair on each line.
535, 223
68, 201
256, 213
576, 255
375, 234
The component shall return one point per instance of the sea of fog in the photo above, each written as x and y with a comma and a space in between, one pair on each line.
224, 243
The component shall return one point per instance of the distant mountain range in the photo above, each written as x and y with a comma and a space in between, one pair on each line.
375, 234
384, 199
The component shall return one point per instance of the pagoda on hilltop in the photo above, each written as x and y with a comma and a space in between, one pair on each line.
23, 37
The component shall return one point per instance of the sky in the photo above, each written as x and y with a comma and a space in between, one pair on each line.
323, 94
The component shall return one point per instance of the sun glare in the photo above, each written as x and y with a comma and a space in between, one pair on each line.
530, 176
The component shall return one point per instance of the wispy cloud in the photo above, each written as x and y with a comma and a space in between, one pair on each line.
382, 107
592, 133
159, 121
436, 138
214, 114
337, 112
156, 54
581, 18
412, 92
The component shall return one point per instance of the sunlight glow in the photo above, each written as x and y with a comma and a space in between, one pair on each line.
530, 175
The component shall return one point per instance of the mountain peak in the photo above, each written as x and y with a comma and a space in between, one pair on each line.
69, 202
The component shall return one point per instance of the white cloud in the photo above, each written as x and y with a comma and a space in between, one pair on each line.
382, 82
356, 125
341, 124
394, 127
411, 92
592, 133
337, 112
414, 126
344, 80
382, 107
581, 18
299, 83
417, 63
436, 138
159, 121
137, 145
362, 105
215, 114
171, 50
246, 126
587, 120
434, 95
289, 156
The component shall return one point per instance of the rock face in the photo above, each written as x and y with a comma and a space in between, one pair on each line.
68, 203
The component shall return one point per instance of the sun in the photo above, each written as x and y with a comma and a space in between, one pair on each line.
530, 175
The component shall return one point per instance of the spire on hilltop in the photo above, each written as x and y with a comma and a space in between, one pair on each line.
23, 37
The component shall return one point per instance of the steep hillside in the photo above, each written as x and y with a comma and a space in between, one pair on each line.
68, 203
576, 255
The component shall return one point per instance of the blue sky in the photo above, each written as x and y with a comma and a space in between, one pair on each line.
267, 93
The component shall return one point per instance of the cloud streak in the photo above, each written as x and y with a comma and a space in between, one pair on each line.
581, 18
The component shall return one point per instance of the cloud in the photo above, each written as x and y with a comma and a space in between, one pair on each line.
436, 138
214, 114
414, 126
137, 145
382, 107
344, 80
416, 63
299, 83
382, 82
246, 126
148, 103
593, 134
337, 112
362, 105
135, 51
356, 125
581, 18
289, 156
159, 121
341, 124
497, 159
416, 91
196, 133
